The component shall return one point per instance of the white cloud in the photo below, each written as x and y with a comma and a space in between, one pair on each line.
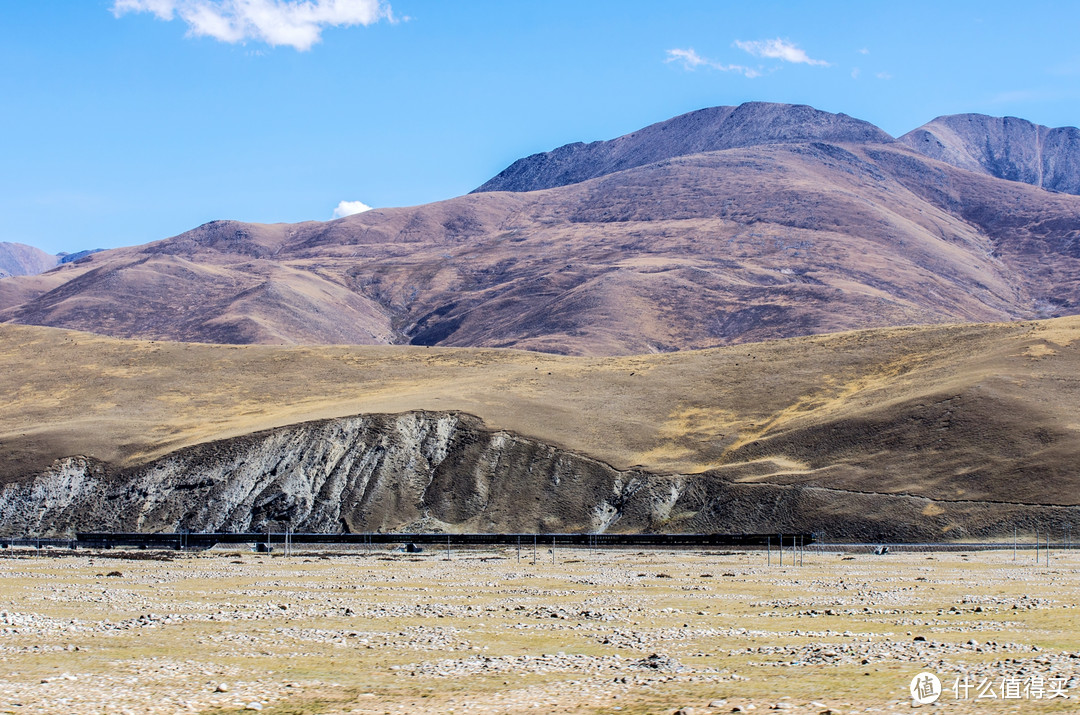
691, 60
855, 73
296, 23
348, 208
883, 75
864, 51
780, 50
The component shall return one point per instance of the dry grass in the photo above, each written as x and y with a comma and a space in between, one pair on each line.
943, 411
229, 625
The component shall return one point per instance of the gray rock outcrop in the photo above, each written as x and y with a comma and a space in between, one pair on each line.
445, 472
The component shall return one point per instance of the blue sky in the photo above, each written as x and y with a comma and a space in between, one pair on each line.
120, 126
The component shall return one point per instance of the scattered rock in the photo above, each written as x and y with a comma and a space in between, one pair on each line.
657, 661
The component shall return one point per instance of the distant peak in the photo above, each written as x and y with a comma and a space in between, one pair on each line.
19, 259
1004, 147
709, 129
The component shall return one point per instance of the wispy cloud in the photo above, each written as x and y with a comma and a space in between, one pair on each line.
778, 49
864, 51
883, 75
691, 60
348, 208
293, 23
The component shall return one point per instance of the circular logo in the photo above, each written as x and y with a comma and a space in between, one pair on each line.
925, 688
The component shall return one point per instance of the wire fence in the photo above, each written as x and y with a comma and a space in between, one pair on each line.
1027, 546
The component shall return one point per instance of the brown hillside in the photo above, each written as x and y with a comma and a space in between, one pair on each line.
725, 247
971, 412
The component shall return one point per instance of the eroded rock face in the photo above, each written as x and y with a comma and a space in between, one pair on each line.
363, 473
444, 471
1004, 147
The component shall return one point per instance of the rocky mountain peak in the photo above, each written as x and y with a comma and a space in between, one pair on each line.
1004, 147
711, 129
19, 259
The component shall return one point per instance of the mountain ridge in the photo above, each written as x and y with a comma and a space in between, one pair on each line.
20, 259
718, 247
1008, 148
703, 130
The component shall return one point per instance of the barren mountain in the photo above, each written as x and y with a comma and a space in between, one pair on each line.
904, 433
712, 129
808, 223
18, 259
1003, 147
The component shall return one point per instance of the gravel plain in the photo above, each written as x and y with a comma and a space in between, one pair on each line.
380, 631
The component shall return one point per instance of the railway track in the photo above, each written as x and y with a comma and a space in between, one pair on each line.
199, 541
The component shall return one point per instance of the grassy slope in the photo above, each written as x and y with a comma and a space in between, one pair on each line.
953, 412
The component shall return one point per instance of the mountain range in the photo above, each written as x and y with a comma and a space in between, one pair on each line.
725, 225
770, 234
